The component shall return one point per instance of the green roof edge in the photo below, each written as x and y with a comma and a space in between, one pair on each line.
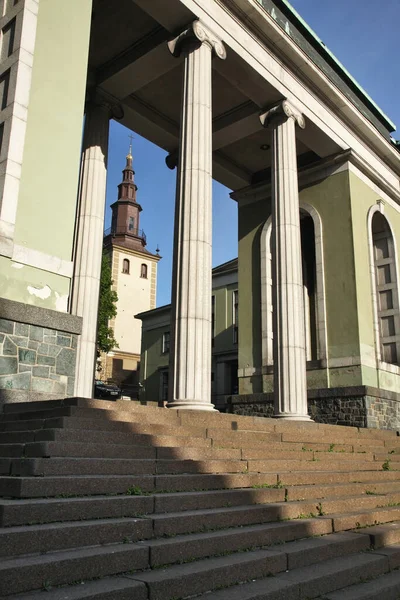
341, 68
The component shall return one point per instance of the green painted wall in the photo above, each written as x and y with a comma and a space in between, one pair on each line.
33, 286
252, 218
151, 360
47, 198
363, 198
223, 339
49, 179
331, 198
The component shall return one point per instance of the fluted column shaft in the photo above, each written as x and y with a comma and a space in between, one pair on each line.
190, 351
89, 242
289, 339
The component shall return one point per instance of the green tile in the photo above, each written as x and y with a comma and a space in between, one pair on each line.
27, 357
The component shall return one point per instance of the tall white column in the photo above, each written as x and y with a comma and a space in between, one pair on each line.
190, 351
289, 339
89, 242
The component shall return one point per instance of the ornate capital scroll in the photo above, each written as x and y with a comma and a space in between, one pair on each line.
193, 37
280, 113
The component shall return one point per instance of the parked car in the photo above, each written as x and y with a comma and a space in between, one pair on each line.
106, 390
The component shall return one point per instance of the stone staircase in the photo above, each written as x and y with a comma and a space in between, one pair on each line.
116, 501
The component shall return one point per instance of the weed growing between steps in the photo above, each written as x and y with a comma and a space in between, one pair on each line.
386, 465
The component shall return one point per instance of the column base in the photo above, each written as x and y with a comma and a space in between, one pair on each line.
291, 417
191, 405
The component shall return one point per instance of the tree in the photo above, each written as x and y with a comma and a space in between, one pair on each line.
107, 308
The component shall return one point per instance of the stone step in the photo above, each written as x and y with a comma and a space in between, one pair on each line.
210, 574
263, 466
302, 492
43, 467
364, 517
82, 450
15, 541
184, 548
106, 437
113, 588
33, 572
101, 424
161, 417
314, 581
337, 510
321, 477
72, 485
11, 450
387, 587
47, 510
383, 535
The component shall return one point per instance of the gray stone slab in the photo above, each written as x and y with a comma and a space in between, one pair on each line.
18, 381
27, 357
21, 329
53, 350
22, 342
36, 333
33, 345
66, 362
41, 385
41, 372
64, 340
43, 349
8, 365
9, 347
46, 360
34, 315
6, 326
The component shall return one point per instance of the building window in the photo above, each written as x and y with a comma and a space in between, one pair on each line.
125, 266
212, 319
131, 223
235, 319
387, 297
164, 385
143, 271
165, 342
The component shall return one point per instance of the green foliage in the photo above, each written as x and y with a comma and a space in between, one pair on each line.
107, 308
386, 465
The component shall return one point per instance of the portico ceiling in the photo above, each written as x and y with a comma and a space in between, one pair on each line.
129, 60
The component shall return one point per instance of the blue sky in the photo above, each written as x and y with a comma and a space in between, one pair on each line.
362, 34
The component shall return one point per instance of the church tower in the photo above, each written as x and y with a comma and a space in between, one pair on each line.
134, 274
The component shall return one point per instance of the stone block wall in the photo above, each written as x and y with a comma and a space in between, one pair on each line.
37, 353
360, 406
36, 359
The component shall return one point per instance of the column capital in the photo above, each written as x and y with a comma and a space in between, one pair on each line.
193, 37
106, 102
280, 113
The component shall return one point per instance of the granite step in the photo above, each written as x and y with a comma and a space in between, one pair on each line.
47, 510
184, 548
93, 450
383, 535
313, 581
386, 587
43, 467
15, 541
117, 437
210, 574
36, 571
113, 588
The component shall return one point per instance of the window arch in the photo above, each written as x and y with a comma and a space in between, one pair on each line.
314, 287
385, 287
143, 271
125, 266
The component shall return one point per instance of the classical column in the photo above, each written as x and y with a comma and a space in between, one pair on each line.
190, 351
289, 340
89, 241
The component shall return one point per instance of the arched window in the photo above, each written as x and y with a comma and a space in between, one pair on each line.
386, 289
125, 266
313, 284
143, 271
